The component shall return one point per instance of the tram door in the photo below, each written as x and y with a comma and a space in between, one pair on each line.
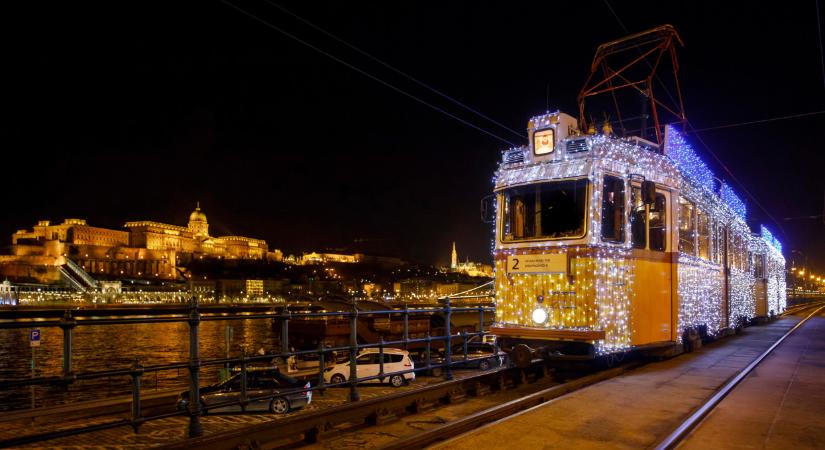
651, 233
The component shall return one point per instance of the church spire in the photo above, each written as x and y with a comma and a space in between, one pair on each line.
454, 259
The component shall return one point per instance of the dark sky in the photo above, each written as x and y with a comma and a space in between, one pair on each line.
120, 112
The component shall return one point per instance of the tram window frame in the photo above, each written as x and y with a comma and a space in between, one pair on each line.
613, 208
714, 244
687, 234
639, 226
759, 266
703, 234
538, 212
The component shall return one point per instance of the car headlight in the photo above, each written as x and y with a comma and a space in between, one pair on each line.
539, 315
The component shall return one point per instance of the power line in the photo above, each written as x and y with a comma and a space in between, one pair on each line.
362, 72
719, 161
736, 180
771, 119
394, 69
819, 43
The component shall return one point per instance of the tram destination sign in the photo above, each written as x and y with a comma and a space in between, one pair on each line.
555, 263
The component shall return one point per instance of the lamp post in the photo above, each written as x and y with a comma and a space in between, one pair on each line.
801, 273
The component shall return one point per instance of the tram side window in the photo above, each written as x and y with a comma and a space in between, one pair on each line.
687, 226
658, 229
613, 209
704, 235
637, 218
758, 266
714, 241
657, 221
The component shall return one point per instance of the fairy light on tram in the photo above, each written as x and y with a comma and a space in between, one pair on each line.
606, 244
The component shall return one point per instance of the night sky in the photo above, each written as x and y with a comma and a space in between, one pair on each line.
120, 112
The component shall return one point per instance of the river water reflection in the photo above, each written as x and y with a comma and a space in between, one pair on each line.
110, 347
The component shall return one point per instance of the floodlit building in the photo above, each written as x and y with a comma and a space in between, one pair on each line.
146, 249
469, 268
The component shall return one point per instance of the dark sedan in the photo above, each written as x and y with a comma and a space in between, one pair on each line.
267, 389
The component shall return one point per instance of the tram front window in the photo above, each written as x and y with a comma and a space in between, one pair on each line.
553, 210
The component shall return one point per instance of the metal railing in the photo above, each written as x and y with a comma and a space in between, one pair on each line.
194, 364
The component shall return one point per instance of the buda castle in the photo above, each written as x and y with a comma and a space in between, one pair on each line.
144, 249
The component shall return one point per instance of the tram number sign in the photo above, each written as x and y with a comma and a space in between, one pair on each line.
34, 337
555, 263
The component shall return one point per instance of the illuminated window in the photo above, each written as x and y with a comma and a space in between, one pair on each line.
704, 235
544, 142
687, 226
637, 218
656, 222
613, 209
758, 265
552, 210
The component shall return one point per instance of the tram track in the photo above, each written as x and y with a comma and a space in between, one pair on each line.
359, 418
681, 432
508, 409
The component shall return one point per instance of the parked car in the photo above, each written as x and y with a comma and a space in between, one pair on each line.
368, 364
482, 353
267, 388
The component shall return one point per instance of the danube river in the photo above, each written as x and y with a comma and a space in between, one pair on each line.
108, 347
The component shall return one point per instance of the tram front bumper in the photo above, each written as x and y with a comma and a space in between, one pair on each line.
547, 334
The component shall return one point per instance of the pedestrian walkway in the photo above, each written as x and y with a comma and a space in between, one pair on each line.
632, 411
781, 404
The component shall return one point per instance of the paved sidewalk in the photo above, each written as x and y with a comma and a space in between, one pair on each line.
631, 411
781, 404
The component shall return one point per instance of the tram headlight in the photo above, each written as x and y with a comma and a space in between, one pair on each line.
539, 315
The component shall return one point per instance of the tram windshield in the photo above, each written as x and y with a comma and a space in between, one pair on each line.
554, 210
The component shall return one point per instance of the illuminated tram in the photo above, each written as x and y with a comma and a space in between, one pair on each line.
606, 244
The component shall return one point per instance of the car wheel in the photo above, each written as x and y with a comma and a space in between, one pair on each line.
279, 405
397, 380
337, 378
484, 365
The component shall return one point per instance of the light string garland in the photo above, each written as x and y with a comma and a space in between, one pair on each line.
599, 291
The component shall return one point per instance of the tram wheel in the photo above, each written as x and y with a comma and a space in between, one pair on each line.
522, 356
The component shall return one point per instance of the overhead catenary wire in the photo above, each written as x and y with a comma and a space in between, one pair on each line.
704, 144
819, 43
752, 122
394, 69
736, 180
364, 73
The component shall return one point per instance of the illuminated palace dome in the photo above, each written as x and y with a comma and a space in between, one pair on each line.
197, 222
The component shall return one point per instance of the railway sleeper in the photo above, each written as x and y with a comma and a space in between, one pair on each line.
421, 405
480, 389
455, 395
381, 416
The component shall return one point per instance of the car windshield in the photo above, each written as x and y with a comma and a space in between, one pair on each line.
551, 210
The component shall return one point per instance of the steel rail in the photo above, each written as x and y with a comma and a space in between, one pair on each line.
684, 429
311, 425
498, 412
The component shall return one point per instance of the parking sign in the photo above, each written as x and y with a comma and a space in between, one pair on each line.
34, 337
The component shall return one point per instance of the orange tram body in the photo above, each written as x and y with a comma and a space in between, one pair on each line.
605, 245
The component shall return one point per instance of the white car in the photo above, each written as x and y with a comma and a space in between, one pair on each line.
368, 365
